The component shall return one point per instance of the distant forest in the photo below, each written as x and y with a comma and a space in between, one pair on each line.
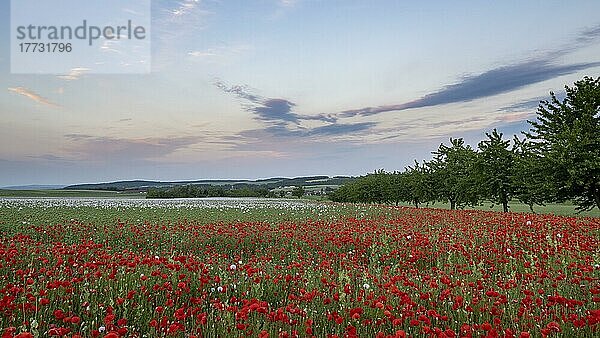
197, 191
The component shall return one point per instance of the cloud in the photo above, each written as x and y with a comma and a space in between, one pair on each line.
493, 82
242, 92
530, 104
271, 110
184, 7
341, 128
49, 157
327, 130
588, 35
89, 147
173, 23
496, 81
220, 52
186, 13
33, 96
515, 117
276, 110
202, 54
281, 119
74, 74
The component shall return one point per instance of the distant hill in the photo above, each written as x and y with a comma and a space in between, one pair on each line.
268, 183
34, 187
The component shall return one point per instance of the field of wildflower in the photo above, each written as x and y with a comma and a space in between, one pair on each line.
279, 268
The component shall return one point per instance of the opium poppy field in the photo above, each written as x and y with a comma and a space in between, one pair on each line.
110, 268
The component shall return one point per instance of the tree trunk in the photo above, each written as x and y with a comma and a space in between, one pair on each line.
417, 204
504, 197
452, 204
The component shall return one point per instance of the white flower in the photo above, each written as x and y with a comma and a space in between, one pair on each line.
408, 237
101, 329
366, 286
232, 267
528, 223
220, 289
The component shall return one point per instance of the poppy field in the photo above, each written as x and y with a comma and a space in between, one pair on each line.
108, 268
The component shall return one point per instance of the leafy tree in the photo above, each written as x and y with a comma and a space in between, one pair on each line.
496, 163
566, 141
298, 191
377, 187
528, 177
453, 174
394, 186
417, 185
345, 193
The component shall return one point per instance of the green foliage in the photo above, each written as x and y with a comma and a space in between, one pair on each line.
372, 188
496, 165
558, 161
566, 137
453, 169
417, 184
298, 192
198, 191
529, 180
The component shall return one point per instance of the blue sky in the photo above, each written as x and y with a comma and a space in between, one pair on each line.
250, 89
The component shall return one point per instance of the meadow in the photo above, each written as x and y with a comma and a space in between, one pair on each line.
69, 193
86, 267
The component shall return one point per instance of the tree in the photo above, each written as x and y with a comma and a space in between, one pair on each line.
453, 168
566, 139
528, 176
394, 187
495, 166
377, 187
416, 183
298, 191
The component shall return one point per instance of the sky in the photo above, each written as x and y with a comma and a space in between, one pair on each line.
256, 89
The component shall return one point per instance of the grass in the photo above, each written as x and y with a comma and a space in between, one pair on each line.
69, 193
561, 209
40, 214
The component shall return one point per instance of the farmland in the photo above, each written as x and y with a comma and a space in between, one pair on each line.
284, 268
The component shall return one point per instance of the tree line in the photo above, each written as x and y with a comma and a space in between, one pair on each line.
236, 190
199, 191
556, 160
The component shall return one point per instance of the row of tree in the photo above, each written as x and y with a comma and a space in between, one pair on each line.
237, 190
198, 191
557, 160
